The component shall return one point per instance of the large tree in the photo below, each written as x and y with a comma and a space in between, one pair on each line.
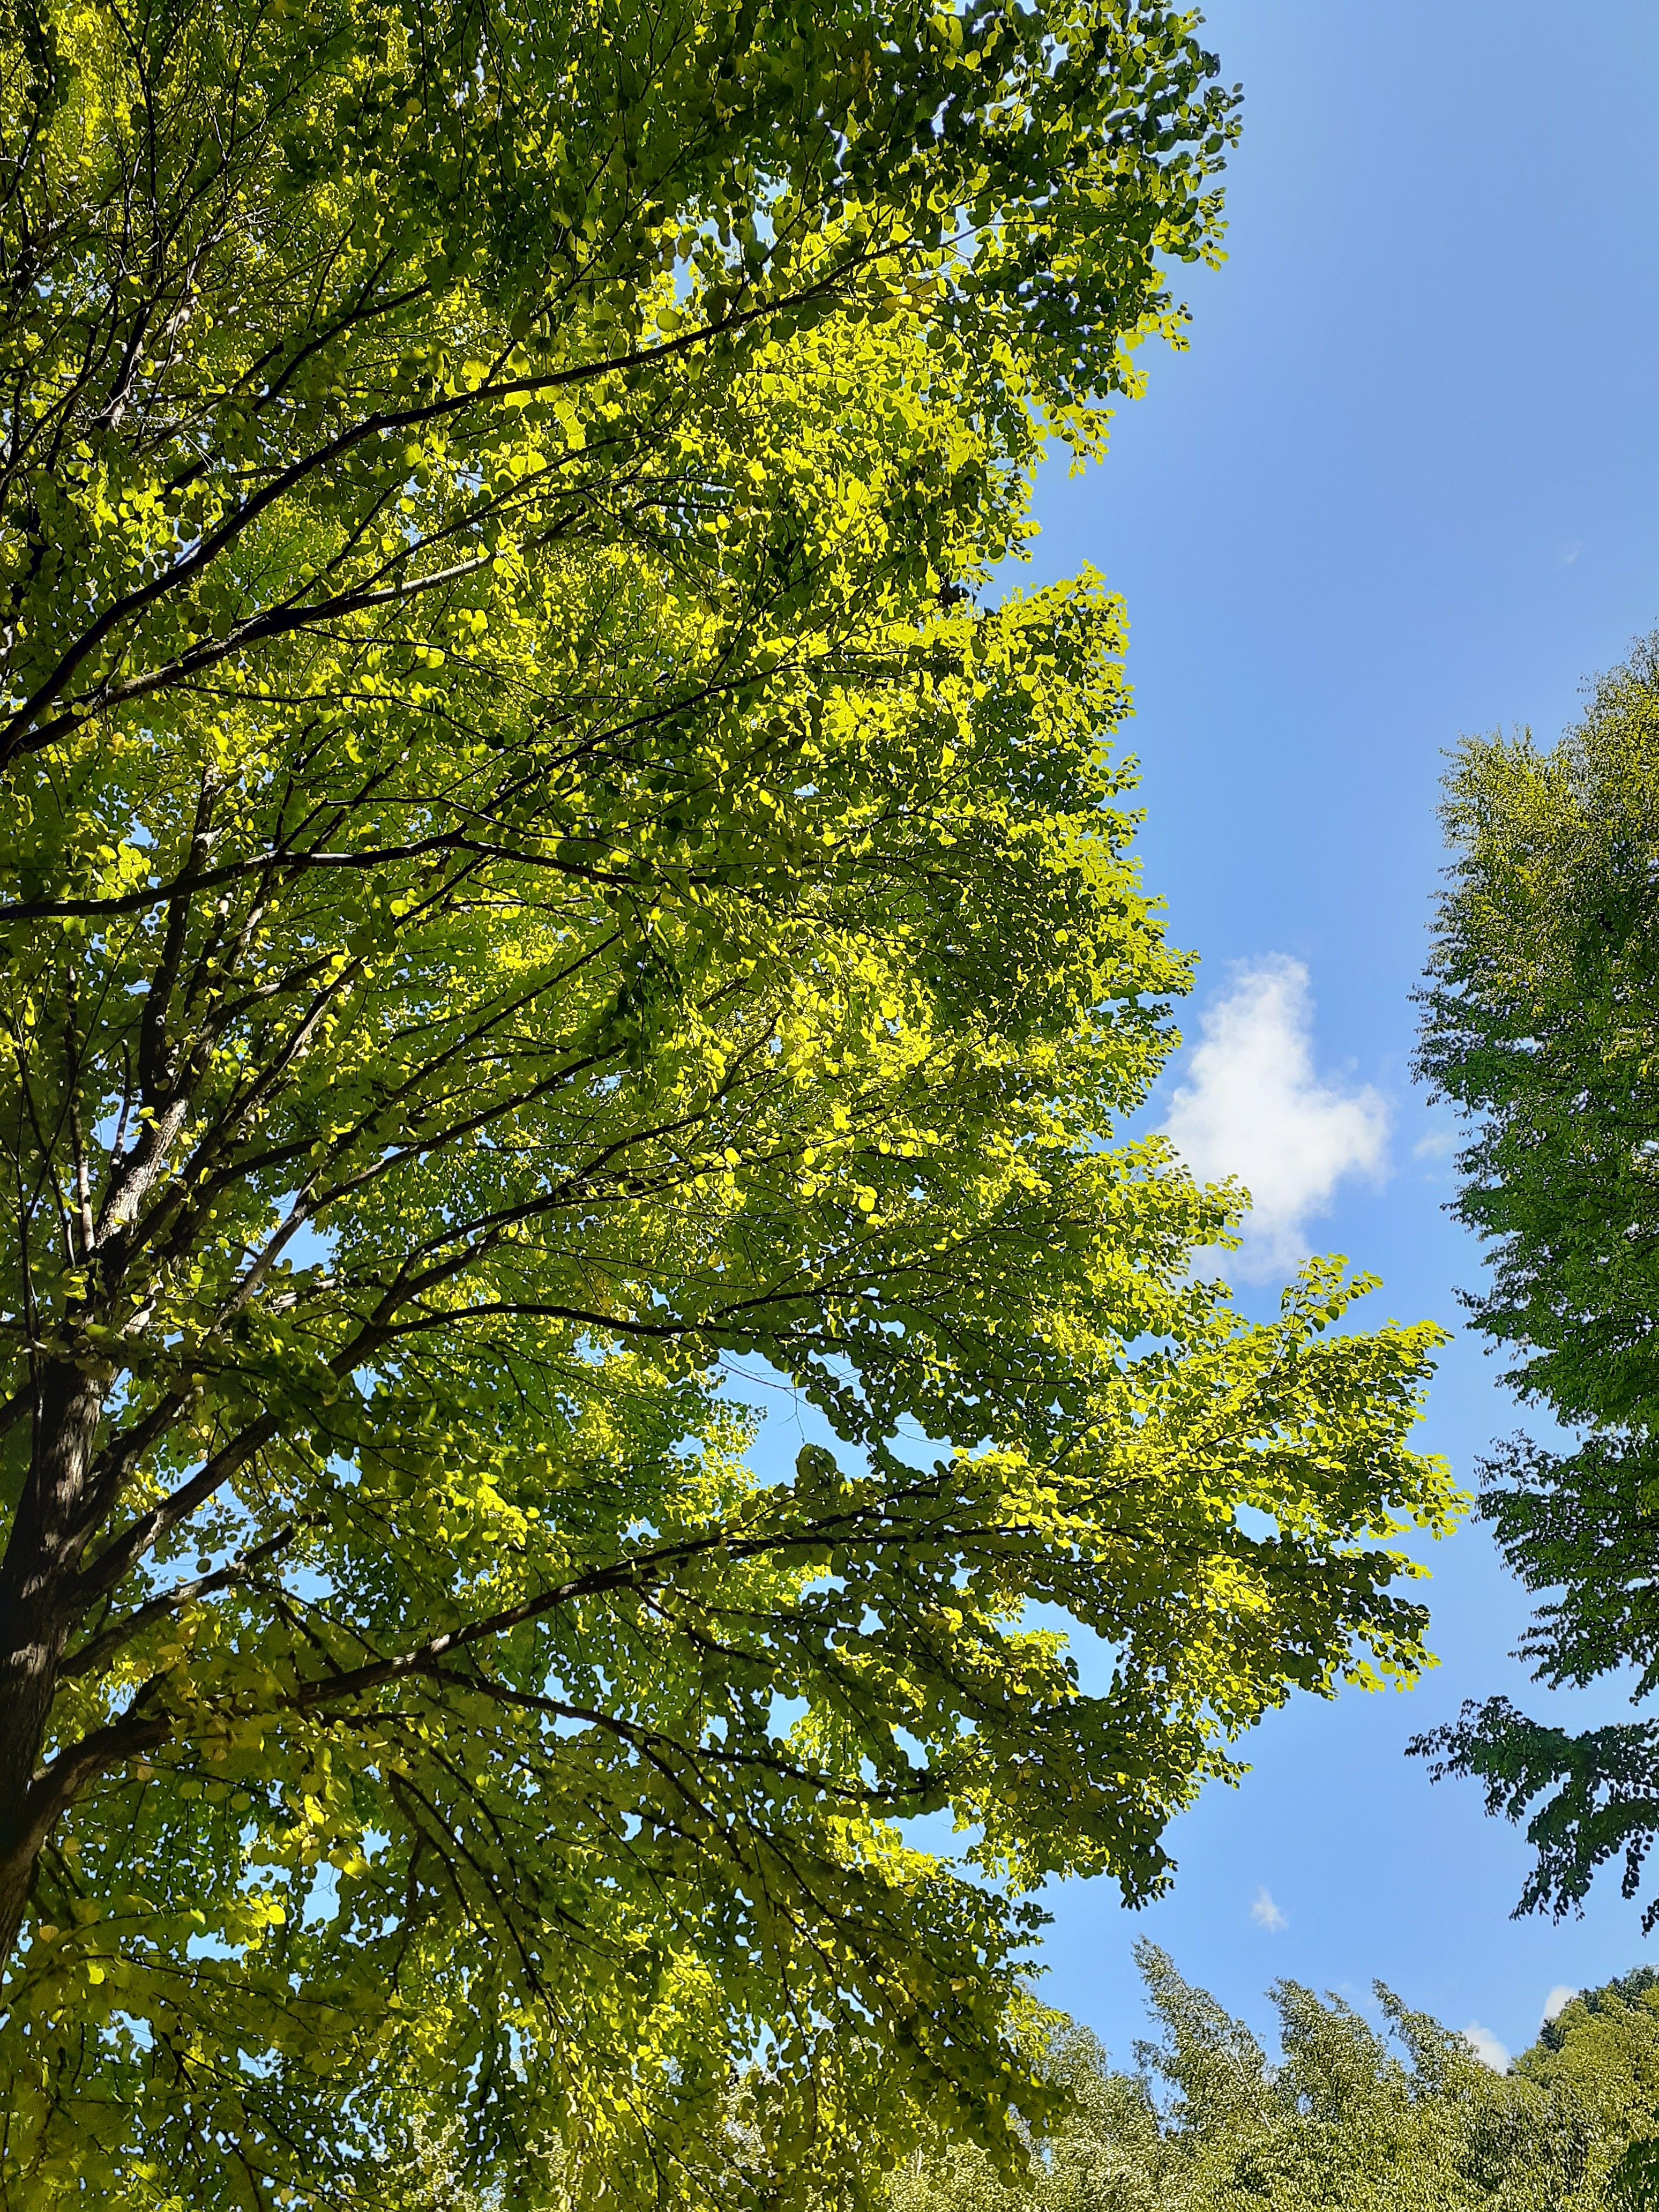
529, 873
1542, 1023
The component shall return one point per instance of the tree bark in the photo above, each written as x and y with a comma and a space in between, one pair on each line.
37, 1612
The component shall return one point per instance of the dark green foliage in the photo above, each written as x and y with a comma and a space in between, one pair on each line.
1542, 1024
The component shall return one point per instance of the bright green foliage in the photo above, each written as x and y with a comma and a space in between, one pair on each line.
1347, 2120
324, 330
527, 874
1543, 1024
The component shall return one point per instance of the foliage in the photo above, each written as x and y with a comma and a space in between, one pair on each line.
527, 876
1542, 1021
1341, 2120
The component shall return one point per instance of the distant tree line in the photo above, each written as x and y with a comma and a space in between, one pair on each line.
1353, 2117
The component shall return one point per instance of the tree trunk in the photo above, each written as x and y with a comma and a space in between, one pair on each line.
36, 1615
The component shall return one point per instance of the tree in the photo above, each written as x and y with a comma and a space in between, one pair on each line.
1210, 2124
1541, 1020
529, 873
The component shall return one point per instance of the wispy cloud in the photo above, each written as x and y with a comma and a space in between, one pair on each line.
1486, 2047
1439, 1145
1254, 1106
1265, 1914
1557, 2002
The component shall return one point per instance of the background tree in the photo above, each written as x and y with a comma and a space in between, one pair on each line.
1342, 2119
527, 874
1542, 1021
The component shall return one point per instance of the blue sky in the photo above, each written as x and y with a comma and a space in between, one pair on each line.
1405, 485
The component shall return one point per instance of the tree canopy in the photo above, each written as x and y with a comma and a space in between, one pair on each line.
530, 870
1542, 1021
1346, 2118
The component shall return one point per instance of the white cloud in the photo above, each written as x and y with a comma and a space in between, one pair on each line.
1557, 2002
1486, 2047
1265, 1914
1252, 1106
